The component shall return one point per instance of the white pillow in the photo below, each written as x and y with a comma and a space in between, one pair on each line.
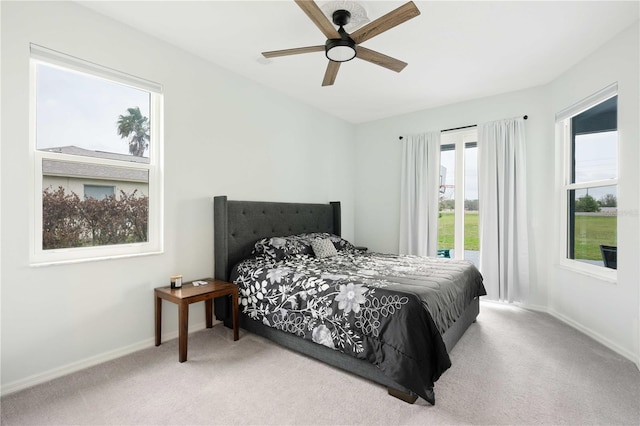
323, 247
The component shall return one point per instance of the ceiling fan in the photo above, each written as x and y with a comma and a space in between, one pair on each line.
341, 46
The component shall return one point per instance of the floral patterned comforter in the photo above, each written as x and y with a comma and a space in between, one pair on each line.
387, 309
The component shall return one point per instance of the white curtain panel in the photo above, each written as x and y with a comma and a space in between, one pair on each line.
419, 194
504, 246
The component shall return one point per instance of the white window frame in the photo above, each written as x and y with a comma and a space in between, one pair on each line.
563, 138
459, 139
155, 238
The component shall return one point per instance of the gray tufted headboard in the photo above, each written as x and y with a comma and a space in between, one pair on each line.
239, 224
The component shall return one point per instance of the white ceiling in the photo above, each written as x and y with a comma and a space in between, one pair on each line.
456, 50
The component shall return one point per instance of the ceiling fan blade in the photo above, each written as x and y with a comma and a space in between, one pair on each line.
386, 22
315, 14
331, 73
294, 51
380, 59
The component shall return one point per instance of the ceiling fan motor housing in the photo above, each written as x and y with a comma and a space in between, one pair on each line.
341, 17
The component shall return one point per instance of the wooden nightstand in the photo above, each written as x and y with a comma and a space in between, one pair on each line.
187, 295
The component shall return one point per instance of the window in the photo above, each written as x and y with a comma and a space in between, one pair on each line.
98, 192
96, 149
458, 216
589, 132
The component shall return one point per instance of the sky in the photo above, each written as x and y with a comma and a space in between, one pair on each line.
596, 158
447, 160
82, 110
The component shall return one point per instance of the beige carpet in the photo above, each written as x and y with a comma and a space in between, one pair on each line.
511, 367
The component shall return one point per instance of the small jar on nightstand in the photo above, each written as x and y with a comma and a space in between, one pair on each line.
176, 281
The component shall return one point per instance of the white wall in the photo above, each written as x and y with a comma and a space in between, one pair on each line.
223, 135
607, 312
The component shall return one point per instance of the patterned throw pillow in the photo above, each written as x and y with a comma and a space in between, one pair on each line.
338, 242
323, 247
279, 248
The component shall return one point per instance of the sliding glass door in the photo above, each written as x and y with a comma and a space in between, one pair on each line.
458, 218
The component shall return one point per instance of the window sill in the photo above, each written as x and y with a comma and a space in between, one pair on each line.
598, 272
38, 264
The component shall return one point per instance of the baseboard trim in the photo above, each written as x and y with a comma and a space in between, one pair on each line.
595, 336
46, 376
634, 358
589, 332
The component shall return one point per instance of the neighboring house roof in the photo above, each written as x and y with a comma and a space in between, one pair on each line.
94, 171
74, 150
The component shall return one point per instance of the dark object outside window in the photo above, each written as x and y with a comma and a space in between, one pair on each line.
609, 256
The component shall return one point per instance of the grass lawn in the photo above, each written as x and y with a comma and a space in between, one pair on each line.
590, 232
446, 227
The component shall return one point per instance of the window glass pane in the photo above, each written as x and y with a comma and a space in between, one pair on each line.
593, 220
595, 143
84, 115
471, 238
446, 219
596, 156
77, 210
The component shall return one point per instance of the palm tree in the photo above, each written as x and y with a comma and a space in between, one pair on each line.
134, 126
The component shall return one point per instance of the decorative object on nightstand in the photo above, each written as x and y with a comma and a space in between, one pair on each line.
187, 294
176, 281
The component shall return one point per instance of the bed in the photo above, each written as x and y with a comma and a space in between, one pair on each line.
405, 351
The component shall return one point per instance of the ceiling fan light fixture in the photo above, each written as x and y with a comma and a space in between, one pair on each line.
340, 50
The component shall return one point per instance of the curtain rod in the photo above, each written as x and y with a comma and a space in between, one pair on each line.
465, 127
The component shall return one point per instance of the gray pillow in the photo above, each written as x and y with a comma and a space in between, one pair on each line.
323, 247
